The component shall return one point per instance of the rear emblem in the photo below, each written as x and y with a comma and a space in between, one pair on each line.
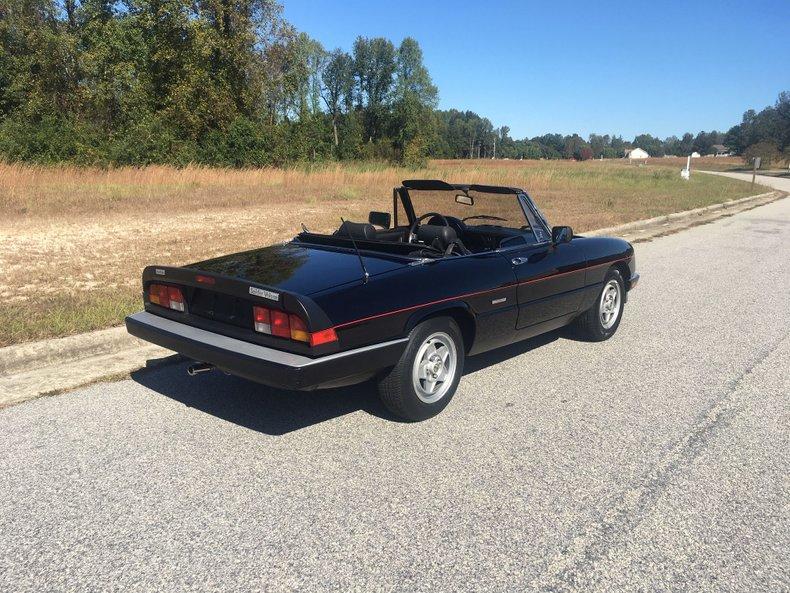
159, 272
267, 294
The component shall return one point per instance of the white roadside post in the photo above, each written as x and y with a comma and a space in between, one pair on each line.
757, 163
686, 173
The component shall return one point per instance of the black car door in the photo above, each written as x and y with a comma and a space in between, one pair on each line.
550, 278
550, 281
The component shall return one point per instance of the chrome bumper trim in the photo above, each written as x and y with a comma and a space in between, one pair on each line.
246, 348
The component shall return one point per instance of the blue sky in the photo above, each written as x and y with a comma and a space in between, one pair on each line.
606, 67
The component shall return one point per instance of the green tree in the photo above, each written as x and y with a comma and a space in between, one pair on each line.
415, 101
411, 75
338, 87
374, 67
653, 146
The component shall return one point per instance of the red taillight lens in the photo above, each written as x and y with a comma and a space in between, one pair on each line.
263, 320
284, 325
298, 329
166, 296
280, 325
176, 298
323, 337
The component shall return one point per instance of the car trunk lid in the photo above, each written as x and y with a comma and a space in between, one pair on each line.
303, 269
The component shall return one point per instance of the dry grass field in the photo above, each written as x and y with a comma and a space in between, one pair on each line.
706, 163
74, 241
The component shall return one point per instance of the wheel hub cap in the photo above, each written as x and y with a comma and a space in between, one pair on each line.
434, 367
609, 308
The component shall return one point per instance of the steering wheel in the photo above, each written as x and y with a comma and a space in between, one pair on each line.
417, 222
455, 223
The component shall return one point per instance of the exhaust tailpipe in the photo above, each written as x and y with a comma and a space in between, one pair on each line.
199, 367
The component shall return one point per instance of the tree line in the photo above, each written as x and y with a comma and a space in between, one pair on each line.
467, 135
231, 83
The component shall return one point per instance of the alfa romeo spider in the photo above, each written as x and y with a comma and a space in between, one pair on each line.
402, 299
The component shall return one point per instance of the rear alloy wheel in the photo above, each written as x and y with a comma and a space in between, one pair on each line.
427, 375
601, 320
434, 367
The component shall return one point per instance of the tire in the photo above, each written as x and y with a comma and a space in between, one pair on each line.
409, 390
593, 324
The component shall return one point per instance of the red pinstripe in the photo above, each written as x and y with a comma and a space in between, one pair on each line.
470, 294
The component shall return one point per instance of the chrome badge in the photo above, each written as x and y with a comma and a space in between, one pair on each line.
159, 272
267, 294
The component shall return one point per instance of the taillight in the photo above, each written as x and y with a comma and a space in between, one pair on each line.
280, 325
323, 337
284, 325
176, 298
298, 329
263, 321
170, 297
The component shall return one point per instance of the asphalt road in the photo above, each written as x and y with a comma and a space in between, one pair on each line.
656, 461
781, 183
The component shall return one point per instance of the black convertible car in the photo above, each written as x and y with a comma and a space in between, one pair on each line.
454, 271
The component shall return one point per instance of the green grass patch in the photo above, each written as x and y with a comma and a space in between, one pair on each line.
64, 315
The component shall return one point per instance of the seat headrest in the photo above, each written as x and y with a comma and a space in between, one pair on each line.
358, 230
435, 235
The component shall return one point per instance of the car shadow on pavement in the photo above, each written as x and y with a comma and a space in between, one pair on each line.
276, 411
259, 407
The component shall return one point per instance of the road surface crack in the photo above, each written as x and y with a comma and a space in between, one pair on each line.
571, 568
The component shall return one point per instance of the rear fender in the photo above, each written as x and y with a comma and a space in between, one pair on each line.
458, 310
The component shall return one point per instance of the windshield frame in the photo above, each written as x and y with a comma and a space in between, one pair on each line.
540, 218
411, 214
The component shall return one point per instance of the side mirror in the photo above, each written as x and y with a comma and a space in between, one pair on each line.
561, 234
382, 219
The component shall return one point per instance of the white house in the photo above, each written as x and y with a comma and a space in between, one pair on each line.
636, 153
695, 155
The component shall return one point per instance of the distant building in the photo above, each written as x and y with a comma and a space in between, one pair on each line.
695, 155
720, 150
636, 153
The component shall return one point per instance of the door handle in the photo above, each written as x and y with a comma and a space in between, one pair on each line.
517, 261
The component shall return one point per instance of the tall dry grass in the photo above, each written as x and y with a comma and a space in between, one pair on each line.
73, 241
706, 163
66, 191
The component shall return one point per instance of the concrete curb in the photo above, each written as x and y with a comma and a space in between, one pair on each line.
688, 217
22, 357
38, 368
33, 369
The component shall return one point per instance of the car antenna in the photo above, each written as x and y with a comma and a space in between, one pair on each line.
365, 274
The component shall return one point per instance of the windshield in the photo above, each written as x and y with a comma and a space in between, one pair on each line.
475, 208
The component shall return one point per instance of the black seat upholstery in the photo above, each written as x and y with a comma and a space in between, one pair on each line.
436, 235
357, 230
394, 235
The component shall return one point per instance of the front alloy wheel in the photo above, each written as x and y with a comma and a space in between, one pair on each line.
609, 304
601, 320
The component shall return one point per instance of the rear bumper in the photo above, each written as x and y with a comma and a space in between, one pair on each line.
266, 365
